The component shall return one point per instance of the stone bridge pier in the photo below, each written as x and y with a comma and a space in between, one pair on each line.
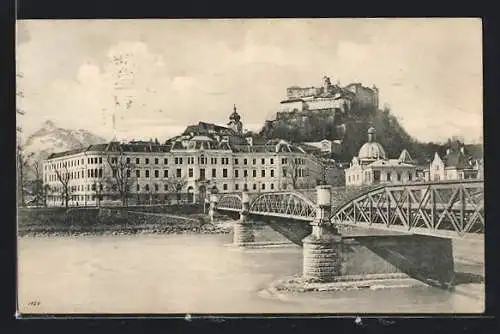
322, 249
243, 229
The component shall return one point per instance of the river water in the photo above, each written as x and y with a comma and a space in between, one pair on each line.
190, 274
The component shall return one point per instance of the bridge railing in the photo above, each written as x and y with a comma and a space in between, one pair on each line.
456, 206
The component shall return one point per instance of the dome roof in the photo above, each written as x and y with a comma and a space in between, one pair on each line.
371, 150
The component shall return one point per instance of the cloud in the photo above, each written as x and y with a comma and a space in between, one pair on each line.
181, 72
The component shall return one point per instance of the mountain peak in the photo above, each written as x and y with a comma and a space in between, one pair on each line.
48, 124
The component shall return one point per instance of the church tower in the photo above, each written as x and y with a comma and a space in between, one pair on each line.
235, 121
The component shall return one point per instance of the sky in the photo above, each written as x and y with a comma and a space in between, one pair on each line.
179, 72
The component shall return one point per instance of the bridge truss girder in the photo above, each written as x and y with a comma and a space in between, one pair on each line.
457, 207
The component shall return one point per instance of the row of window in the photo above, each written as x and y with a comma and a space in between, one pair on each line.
368, 176
91, 173
178, 161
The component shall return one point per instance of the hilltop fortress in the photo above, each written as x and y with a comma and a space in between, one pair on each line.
329, 98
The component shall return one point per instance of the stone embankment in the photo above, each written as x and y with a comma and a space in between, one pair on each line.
112, 221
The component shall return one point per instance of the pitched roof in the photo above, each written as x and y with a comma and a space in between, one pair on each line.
456, 159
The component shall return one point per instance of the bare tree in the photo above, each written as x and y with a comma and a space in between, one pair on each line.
23, 166
291, 171
121, 167
37, 182
175, 185
64, 178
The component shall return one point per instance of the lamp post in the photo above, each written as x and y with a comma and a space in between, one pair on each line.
214, 199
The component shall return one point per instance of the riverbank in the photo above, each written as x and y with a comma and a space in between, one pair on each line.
97, 230
111, 221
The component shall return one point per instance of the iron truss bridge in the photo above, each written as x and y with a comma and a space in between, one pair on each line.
449, 208
444, 208
286, 204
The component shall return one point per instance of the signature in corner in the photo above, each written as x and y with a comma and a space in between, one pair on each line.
34, 303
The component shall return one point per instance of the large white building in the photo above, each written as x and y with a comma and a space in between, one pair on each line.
372, 166
329, 97
187, 167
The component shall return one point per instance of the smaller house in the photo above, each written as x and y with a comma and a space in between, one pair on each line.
455, 165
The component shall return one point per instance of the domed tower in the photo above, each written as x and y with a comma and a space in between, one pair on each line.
235, 121
371, 150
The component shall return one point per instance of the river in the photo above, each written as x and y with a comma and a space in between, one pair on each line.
190, 274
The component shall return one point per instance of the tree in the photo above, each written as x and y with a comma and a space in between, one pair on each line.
175, 185
63, 178
121, 178
37, 183
292, 171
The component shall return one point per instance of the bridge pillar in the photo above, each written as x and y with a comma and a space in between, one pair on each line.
214, 199
322, 248
243, 229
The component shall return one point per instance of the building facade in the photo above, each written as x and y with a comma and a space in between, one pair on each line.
186, 169
329, 97
372, 166
454, 166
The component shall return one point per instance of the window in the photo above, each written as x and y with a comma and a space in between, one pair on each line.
93, 187
283, 161
409, 177
263, 173
137, 161
146, 187
165, 187
236, 161
263, 186
388, 176
245, 173
100, 160
236, 186
178, 172
137, 188
165, 161
176, 161
147, 173
284, 172
100, 172
254, 186
202, 174
254, 161
263, 161
156, 161
157, 173
128, 172
156, 187
272, 186
180, 161
214, 172
236, 173
224, 172
245, 161
165, 173
254, 173
128, 160
272, 172
399, 177
113, 160
137, 173
271, 161
190, 172
224, 186
147, 161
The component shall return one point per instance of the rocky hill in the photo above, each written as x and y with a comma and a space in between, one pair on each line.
351, 128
